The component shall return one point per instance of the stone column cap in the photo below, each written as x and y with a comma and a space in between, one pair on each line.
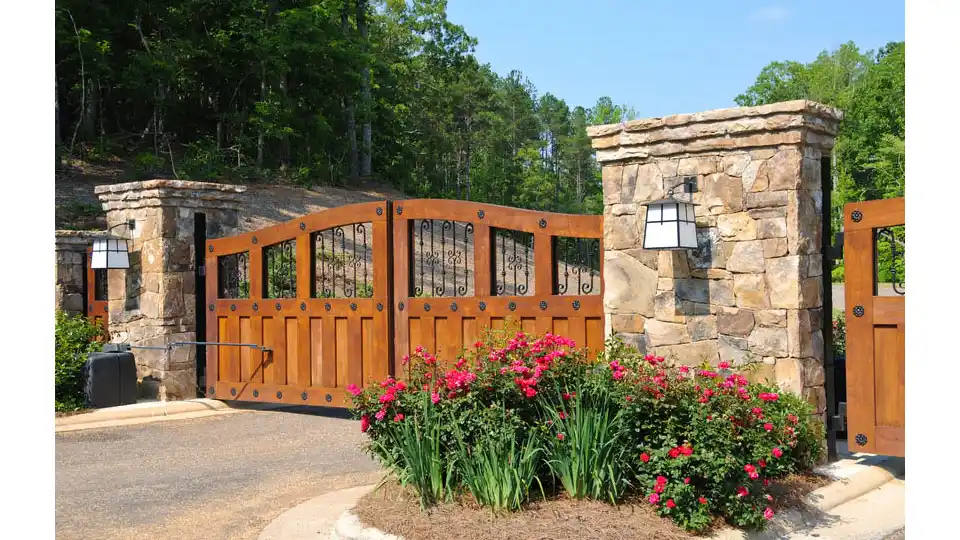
721, 130
76, 240
181, 193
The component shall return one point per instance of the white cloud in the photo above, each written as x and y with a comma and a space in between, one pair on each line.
770, 14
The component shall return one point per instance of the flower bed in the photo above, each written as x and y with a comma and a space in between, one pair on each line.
517, 419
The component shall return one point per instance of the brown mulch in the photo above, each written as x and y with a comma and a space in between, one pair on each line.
62, 414
396, 510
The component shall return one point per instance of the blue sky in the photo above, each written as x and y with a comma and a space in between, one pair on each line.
664, 57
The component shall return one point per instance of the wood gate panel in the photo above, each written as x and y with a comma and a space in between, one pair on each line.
315, 293
96, 292
462, 267
875, 332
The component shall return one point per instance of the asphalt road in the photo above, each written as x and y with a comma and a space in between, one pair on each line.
223, 477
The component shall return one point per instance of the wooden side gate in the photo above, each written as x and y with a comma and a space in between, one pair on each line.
96, 293
875, 329
307, 307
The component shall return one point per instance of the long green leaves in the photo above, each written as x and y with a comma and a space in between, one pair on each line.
420, 461
587, 457
501, 468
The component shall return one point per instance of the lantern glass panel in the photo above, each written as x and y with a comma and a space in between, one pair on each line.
669, 211
654, 213
688, 235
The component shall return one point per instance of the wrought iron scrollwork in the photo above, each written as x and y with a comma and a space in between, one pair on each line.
343, 260
100, 284
890, 257
578, 266
232, 276
514, 259
280, 270
443, 263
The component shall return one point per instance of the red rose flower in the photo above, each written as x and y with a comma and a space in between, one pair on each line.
702, 500
686, 480
777, 452
364, 423
742, 491
653, 498
762, 463
670, 503
768, 513
560, 436
723, 365
398, 417
768, 426
644, 457
674, 452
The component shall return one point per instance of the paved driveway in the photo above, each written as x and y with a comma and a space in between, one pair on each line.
222, 477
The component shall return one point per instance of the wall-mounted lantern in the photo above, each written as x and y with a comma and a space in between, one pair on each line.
670, 222
111, 251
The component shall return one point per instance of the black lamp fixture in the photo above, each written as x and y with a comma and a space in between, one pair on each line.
111, 251
671, 223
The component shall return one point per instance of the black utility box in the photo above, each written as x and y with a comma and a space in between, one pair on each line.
111, 377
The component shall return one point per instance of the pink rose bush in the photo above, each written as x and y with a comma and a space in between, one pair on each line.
692, 442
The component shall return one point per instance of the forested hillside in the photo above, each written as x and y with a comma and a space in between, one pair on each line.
315, 92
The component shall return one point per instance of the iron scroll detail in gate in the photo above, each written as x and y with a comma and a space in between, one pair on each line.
333, 276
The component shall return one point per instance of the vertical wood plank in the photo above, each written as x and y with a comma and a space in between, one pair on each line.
471, 333
544, 267
258, 358
561, 327
233, 353
280, 349
291, 338
861, 404
428, 334
247, 355
889, 368
577, 331
304, 361
544, 325
305, 269
316, 351
371, 369
343, 351
223, 355
211, 372
328, 364
594, 339
355, 351
256, 272
401, 288
270, 342
379, 353
528, 325
482, 261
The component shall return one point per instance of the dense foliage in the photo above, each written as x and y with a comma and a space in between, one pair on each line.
316, 91
75, 337
870, 155
517, 418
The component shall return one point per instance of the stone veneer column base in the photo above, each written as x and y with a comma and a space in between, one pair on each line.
751, 293
153, 302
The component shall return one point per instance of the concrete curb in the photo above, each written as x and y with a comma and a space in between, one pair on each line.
316, 518
846, 488
143, 412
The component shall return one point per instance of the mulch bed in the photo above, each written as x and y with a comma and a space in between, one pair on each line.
62, 414
395, 510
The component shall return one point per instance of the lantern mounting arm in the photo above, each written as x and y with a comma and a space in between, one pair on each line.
130, 224
689, 185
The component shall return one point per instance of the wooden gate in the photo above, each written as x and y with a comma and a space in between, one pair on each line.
96, 293
338, 297
875, 327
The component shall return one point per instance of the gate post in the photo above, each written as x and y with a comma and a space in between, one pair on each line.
153, 302
751, 292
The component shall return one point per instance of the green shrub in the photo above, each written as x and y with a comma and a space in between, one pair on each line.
512, 414
75, 337
840, 334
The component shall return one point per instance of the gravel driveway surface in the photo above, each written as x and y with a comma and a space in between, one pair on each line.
222, 477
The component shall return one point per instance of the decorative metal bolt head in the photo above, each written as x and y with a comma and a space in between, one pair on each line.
379, 211
353, 306
279, 394
303, 306
483, 306
861, 439
211, 390
326, 306
426, 307
576, 304
858, 311
277, 306
210, 307
233, 307
543, 223
303, 396
399, 210
400, 306
254, 240
480, 214
453, 306
233, 391
255, 306
856, 216
328, 398
543, 304
210, 248
256, 393
512, 306
303, 226
379, 306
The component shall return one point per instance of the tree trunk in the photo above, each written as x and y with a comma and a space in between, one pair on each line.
365, 107
346, 103
263, 96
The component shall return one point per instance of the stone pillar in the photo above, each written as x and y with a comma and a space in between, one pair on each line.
751, 293
71, 257
153, 302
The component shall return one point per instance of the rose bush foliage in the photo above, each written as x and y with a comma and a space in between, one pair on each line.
516, 417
